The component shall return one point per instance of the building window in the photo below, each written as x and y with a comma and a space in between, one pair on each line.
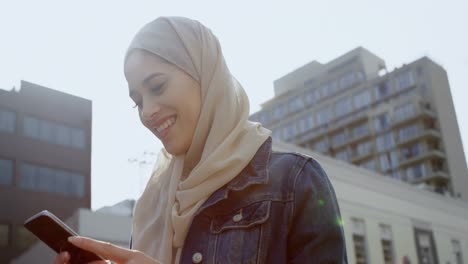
382, 90
385, 142
404, 80
343, 107
6, 172
370, 165
322, 146
361, 130
296, 104
408, 132
24, 237
386, 239
382, 122
306, 123
310, 97
40, 178
7, 121
359, 241
403, 112
324, 116
342, 155
364, 148
411, 151
457, 252
54, 133
416, 172
348, 80
279, 111
339, 139
425, 246
4, 235
362, 99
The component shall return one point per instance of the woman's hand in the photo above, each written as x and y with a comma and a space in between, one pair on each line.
116, 254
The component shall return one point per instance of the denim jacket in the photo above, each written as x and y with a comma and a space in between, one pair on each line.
280, 209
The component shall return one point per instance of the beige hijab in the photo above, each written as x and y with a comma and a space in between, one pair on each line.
224, 141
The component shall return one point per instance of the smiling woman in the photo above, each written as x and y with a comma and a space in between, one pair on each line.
218, 194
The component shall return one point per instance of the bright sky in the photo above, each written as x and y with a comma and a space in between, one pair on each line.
78, 46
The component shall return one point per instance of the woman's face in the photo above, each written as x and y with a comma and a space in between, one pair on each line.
167, 98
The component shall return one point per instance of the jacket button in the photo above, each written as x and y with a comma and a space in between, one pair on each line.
237, 217
197, 257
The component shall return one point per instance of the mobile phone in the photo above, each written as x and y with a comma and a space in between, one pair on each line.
54, 233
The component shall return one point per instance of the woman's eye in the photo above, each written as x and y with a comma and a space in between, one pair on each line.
157, 89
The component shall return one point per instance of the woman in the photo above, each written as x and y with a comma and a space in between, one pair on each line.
219, 194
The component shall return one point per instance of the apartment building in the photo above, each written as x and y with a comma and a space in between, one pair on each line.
45, 160
400, 123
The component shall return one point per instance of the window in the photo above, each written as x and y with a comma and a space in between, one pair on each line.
339, 139
370, 165
342, 155
416, 172
277, 134
384, 162
24, 237
362, 99
51, 180
54, 133
7, 121
310, 97
6, 172
457, 252
385, 142
4, 235
78, 138
343, 107
361, 130
31, 127
306, 123
347, 80
425, 246
404, 80
322, 146
408, 132
279, 111
359, 240
324, 116
364, 148
296, 104
403, 112
382, 122
411, 151
382, 90
386, 239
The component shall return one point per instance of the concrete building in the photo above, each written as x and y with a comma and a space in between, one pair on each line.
385, 219
400, 123
45, 160
111, 224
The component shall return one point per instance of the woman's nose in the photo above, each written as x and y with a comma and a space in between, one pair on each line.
150, 111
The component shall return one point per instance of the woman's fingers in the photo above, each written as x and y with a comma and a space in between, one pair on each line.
62, 258
103, 249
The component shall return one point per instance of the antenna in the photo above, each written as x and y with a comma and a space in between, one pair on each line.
144, 161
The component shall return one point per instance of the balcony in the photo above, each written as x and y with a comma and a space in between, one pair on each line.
422, 156
432, 176
358, 157
417, 111
420, 134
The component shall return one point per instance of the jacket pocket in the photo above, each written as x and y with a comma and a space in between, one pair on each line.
238, 234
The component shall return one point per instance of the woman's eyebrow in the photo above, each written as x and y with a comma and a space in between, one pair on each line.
151, 76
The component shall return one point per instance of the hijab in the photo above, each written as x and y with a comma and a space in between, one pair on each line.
224, 141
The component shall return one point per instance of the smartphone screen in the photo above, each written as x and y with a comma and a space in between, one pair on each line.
53, 232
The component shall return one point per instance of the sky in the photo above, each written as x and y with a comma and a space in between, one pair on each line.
78, 46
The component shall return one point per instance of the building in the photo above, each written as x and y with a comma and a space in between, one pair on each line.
385, 220
45, 160
400, 123
111, 224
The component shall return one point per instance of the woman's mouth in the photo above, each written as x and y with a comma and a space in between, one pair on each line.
163, 129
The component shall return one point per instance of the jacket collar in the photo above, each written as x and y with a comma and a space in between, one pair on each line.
256, 172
